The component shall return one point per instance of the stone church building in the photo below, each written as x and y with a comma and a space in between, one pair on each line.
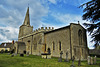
71, 39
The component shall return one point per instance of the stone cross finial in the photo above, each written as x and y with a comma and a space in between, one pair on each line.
78, 22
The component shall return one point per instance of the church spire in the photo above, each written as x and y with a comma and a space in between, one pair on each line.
27, 18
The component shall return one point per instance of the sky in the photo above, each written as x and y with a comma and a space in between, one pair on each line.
43, 13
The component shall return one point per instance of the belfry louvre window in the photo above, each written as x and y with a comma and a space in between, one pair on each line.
59, 45
53, 46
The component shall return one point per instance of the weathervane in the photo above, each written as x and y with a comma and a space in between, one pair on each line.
28, 3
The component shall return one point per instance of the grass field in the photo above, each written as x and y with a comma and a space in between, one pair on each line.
37, 61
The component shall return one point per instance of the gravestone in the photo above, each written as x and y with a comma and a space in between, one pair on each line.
24, 52
73, 62
99, 64
8, 53
12, 51
12, 55
27, 54
60, 59
22, 55
79, 62
15, 54
66, 60
89, 60
2, 51
95, 60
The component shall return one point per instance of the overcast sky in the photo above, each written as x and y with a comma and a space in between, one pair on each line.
53, 13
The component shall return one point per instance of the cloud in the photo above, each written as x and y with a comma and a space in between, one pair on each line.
53, 1
67, 18
12, 14
8, 34
10, 17
73, 18
73, 2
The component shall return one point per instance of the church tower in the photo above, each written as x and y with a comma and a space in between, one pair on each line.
25, 28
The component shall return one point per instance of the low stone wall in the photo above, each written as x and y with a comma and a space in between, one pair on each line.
94, 51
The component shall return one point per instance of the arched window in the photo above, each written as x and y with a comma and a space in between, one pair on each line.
49, 52
45, 47
35, 44
28, 46
80, 37
53, 46
60, 45
75, 51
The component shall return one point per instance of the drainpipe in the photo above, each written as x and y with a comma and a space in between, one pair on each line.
31, 44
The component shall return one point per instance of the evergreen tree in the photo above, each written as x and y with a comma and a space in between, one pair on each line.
92, 14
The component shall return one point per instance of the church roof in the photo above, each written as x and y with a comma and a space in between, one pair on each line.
6, 45
58, 29
62, 28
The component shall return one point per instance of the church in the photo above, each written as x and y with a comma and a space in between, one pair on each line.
70, 39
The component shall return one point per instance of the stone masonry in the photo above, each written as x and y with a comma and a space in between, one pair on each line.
71, 39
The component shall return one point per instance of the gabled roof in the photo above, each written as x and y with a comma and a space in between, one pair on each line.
6, 45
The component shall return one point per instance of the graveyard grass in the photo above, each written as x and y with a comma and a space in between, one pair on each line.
37, 61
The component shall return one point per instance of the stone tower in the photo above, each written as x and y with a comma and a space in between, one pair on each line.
25, 28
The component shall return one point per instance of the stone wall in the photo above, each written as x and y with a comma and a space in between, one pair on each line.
41, 39
35, 40
79, 45
71, 41
60, 35
19, 47
94, 51
24, 30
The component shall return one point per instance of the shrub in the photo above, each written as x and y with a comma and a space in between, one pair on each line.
22, 55
94, 55
24, 52
6, 51
12, 51
2, 51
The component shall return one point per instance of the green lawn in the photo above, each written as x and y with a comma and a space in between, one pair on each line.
37, 61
